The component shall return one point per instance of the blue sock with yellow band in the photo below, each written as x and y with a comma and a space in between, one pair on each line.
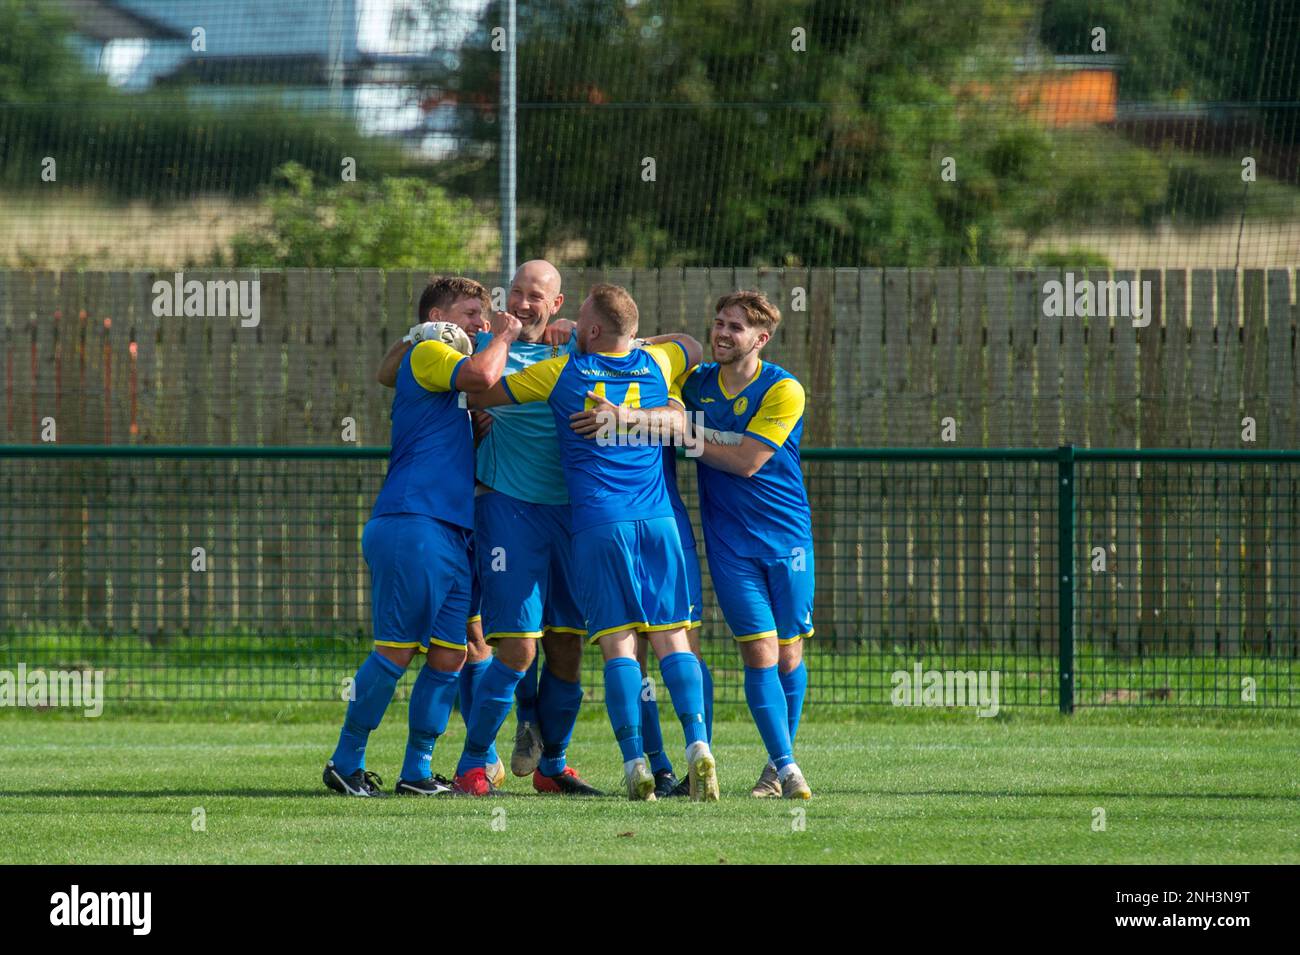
372, 691
429, 710
493, 696
681, 673
795, 685
766, 702
652, 734
622, 703
558, 702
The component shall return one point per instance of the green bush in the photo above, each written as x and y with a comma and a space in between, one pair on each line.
393, 223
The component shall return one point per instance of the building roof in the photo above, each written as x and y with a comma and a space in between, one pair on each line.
106, 20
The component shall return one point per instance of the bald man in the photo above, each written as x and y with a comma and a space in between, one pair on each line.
523, 571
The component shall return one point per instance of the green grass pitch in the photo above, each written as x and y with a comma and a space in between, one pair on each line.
889, 787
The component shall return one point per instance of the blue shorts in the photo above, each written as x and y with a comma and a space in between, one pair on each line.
419, 581
633, 577
694, 586
764, 596
524, 562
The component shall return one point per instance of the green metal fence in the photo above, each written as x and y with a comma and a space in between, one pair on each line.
1063, 578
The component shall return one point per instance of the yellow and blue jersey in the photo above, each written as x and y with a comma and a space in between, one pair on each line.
431, 464
766, 515
520, 455
607, 481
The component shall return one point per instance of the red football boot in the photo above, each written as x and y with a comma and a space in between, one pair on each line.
568, 783
473, 782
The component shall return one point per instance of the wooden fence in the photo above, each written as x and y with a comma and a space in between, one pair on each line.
885, 355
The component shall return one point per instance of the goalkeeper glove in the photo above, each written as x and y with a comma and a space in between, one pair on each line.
446, 332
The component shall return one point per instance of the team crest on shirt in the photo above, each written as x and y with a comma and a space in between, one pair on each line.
741, 404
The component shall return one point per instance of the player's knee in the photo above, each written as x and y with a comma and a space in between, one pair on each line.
760, 654
446, 659
563, 656
791, 656
516, 652
399, 655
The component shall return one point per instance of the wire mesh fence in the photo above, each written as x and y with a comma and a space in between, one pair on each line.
801, 133
235, 574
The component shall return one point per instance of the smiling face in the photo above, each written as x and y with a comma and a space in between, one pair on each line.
732, 338
534, 297
467, 313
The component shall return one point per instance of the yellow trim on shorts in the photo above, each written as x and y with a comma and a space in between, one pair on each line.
634, 625
573, 630
797, 637
679, 625
754, 636
641, 627
521, 635
413, 644
443, 643
695, 625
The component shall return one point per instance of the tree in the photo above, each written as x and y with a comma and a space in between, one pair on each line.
36, 63
811, 132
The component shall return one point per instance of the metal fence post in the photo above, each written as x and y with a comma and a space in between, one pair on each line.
1065, 563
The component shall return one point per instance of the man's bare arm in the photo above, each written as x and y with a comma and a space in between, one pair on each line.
694, 350
387, 375
744, 459
496, 395
667, 421
482, 371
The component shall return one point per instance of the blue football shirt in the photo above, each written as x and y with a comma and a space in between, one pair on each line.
615, 480
431, 464
766, 515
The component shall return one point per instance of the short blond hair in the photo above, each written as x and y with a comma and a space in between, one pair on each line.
758, 311
615, 308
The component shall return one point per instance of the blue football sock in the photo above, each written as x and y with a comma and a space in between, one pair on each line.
372, 690
707, 676
493, 696
767, 704
526, 695
794, 684
470, 675
622, 690
652, 733
681, 673
558, 702
429, 710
